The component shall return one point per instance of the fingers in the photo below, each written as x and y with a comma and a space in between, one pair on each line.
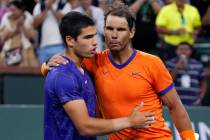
152, 118
139, 106
56, 60
147, 124
149, 114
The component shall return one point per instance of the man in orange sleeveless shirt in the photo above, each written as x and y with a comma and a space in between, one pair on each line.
124, 77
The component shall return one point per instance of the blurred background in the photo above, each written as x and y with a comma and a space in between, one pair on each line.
29, 36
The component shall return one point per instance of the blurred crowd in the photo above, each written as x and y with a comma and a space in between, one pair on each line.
29, 34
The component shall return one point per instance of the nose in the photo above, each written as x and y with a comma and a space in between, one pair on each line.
94, 42
114, 34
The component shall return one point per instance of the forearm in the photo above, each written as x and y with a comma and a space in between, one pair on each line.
29, 32
178, 114
7, 35
96, 126
155, 5
163, 30
57, 14
180, 118
39, 19
136, 6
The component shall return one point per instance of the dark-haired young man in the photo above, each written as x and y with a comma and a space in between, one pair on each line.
69, 108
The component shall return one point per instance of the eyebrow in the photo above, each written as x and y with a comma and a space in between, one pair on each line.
89, 36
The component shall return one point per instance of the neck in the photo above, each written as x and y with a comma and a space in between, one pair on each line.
76, 59
180, 7
120, 57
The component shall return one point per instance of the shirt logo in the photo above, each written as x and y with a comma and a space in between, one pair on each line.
135, 74
105, 72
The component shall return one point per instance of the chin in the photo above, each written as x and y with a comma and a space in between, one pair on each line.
115, 49
89, 56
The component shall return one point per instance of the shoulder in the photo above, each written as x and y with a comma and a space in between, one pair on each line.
167, 7
149, 62
37, 9
63, 72
67, 6
196, 63
28, 16
172, 60
6, 16
5, 20
78, 9
191, 7
147, 57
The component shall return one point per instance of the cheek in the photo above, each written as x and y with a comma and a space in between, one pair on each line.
125, 39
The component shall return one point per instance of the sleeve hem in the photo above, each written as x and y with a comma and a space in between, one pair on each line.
161, 93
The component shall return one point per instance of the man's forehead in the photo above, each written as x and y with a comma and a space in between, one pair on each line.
115, 19
88, 30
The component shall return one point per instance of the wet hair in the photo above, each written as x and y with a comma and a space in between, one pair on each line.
18, 3
121, 10
72, 24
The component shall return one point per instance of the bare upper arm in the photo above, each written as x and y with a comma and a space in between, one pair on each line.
171, 99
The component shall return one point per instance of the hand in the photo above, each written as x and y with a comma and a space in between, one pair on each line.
194, 34
152, 1
141, 119
56, 60
49, 4
20, 20
180, 65
181, 31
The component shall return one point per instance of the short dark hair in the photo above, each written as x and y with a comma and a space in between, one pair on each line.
121, 10
72, 24
185, 43
18, 3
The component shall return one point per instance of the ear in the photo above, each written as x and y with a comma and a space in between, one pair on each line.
132, 32
70, 41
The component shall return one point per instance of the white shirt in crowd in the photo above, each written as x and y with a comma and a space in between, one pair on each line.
50, 34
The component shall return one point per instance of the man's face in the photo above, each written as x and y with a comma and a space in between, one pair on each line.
85, 45
117, 33
184, 49
180, 2
86, 3
168, 1
15, 12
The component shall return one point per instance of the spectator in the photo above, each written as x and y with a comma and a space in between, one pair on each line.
98, 15
145, 37
47, 15
178, 22
188, 75
17, 34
